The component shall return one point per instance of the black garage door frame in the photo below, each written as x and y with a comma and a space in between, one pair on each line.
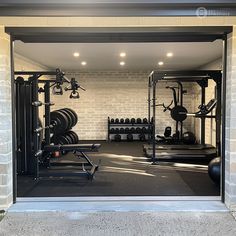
119, 34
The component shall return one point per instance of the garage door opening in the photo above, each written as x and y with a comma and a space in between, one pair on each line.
112, 121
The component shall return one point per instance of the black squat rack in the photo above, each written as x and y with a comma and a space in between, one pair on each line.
200, 77
34, 145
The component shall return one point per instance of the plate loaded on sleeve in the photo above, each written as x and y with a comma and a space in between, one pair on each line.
74, 136
59, 121
178, 113
69, 117
73, 115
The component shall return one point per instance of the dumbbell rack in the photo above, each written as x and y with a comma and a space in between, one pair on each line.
129, 125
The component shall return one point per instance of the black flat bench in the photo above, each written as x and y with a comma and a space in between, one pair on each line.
73, 147
79, 151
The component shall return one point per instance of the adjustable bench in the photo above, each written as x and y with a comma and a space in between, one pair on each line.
79, 151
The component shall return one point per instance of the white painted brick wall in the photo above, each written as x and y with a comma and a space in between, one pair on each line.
5, 123
118, 94
230, 150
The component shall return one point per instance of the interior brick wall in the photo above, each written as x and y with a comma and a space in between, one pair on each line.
117, 94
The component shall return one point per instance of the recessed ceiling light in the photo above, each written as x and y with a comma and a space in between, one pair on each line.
122, 63
83, 63
160, 63
122, 54
76, 54
169, 54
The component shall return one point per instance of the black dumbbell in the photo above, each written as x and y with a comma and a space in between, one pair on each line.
130, 137
112, 130
112, 121
132, 130
127, 130
117, 130
139, 121
127, 121
145, 120
122, 120
138, 130
122, 130
117, 121
132, 121
117, 137
142, 137
144, 130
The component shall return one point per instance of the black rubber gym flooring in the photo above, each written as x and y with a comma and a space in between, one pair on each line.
124, 171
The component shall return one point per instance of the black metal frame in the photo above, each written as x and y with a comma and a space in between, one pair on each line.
118, 8
27, 111
199, 76
121, 125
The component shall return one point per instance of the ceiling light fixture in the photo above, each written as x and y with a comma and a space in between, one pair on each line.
169, 54
122, 54
122, 63
83, 63
76, 54
160, 63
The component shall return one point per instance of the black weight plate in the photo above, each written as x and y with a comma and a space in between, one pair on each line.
63, 140
74, 136
61, 121
64, 121
73, 115
70, 120
178, 113
71, 139
70, 134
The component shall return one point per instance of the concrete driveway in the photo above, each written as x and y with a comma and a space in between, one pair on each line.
117, 223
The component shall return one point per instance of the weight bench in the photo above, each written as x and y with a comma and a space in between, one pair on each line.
79, 151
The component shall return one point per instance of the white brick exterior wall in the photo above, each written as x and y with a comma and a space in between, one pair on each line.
118, 94
230, 159
5, 163
5, 123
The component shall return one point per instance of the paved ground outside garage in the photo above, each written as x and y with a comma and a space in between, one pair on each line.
117, 223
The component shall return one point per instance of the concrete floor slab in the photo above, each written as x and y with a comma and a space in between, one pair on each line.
119, 206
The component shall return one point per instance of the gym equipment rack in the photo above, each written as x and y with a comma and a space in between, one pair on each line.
110, 125
31, 153
200, 77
